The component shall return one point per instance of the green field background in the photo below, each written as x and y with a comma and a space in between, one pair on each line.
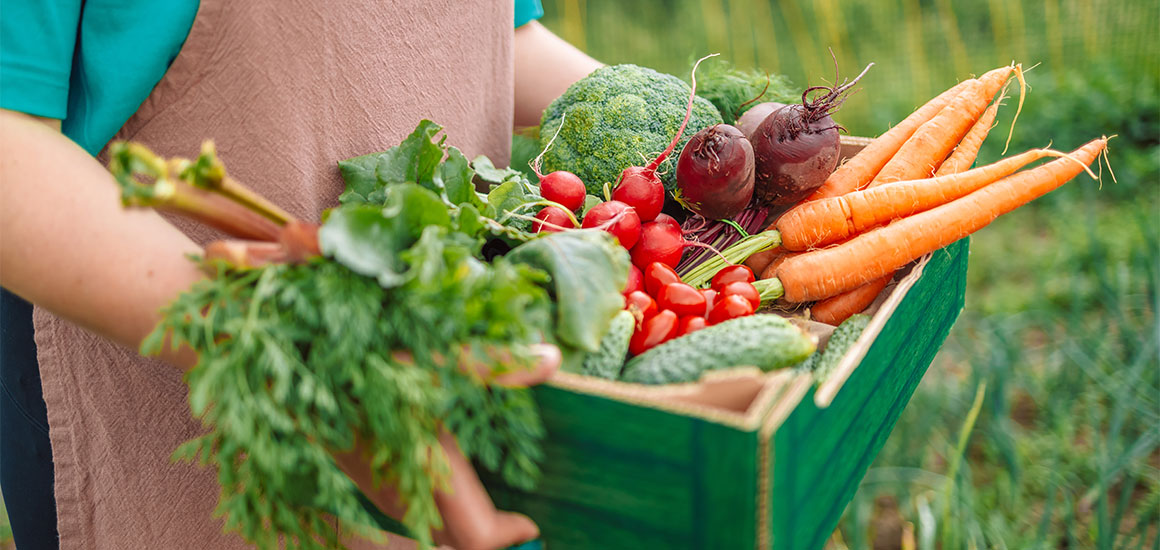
1038, 426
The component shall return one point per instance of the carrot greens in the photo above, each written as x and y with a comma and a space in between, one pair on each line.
412, 276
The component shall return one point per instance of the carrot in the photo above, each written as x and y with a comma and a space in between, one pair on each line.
771, 270
828, 221
826, 272
965, 152
835, 309
861, 168
759, 261
920, 156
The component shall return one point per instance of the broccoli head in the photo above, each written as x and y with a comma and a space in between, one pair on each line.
620, 116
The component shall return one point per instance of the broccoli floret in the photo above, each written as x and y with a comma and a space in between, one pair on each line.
620, 116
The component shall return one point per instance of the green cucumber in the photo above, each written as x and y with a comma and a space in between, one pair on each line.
607, 361
765, 341
840, 342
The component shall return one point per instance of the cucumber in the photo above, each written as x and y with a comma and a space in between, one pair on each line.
607, 361
840, 342
765, 341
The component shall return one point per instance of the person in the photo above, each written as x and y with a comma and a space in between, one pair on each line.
285, 89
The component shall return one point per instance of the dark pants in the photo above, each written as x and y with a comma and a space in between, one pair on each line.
25, 452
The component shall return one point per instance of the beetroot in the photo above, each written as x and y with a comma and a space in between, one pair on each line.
752, 118
715, 173
796, 147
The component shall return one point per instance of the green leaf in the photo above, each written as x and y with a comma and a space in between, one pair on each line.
455, 176
414, 160
588, 271
589, 202
368, 240
506, 198
359, 175
489, 173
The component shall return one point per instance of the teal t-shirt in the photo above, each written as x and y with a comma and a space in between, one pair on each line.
91, 63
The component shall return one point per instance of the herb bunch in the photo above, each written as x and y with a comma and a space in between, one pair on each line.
300, 360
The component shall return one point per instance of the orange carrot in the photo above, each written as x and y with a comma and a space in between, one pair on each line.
759, 261
861, 168
835, 309
965, 152
771, 270
826, 272
828, 221
920, 156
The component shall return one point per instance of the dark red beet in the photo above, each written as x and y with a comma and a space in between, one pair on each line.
752, 118
715, 172
796, 147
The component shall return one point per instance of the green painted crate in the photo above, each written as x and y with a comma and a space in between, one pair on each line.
628, 467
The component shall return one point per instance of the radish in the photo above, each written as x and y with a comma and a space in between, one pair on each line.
564, 188
640, 187
617, 218
659, 242
796, 147
551, 220
715, 173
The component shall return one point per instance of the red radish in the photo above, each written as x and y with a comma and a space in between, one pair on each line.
731, 273
730, 307
635, 280
617, 218
641, 305
715, 173
743, 289
796, 147
658, 329
657, 275
682, 299
710, 299
690, 323
640, 186
659, 242
665, 218
564, 188
554, 220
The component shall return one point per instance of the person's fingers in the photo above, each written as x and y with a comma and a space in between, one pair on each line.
547, 363
470, 520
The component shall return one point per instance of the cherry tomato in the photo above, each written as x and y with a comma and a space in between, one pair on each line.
682, 299
657, 275
690, 323
642, 306
730, 307
730, 274
660, 328
635, 280
710, 299
744, 290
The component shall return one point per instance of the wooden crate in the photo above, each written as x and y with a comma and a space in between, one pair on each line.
772, 466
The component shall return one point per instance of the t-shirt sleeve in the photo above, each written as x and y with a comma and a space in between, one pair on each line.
36, 53
527, 10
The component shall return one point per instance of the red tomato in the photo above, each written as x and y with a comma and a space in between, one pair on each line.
662, 327
730, 307
657, 275
642, 306
729, 274
635, 280
744, 290
690, 323
683, 299
710, 299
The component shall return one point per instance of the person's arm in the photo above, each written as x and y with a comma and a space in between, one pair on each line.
67, 245
545, 65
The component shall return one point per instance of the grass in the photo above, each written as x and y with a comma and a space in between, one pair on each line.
1038, 425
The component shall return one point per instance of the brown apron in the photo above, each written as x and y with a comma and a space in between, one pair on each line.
285, 88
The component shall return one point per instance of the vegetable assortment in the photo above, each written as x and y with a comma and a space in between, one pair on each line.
312, 336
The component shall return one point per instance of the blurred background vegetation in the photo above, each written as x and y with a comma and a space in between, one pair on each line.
1060, 329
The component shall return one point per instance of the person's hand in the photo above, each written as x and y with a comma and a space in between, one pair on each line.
470, 519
